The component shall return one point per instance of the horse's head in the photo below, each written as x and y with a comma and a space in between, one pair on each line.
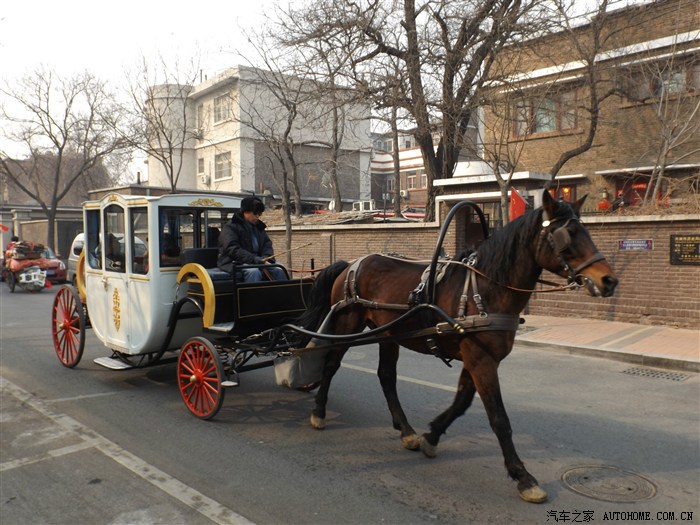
564, 247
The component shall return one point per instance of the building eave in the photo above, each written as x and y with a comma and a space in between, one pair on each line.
490, 177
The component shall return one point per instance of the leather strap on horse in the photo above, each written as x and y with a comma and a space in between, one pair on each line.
353, 297
483, 321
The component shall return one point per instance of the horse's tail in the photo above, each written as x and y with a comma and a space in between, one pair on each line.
319, 301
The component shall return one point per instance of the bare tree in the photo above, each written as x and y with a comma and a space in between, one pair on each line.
664, 84
565, 100
65, 129
444, 49
162, 125
325, 66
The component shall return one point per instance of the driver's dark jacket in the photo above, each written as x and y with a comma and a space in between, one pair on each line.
236, 245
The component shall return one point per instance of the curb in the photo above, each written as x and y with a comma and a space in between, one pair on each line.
616, 355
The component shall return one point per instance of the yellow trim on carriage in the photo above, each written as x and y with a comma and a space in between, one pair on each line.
80, 277
196, 273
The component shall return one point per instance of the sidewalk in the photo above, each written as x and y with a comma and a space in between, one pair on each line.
655, 346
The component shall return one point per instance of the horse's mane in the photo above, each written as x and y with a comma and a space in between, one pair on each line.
498, 254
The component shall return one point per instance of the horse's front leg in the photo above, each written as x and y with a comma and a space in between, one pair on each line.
485, 377
331, 366
388, 357
438, 426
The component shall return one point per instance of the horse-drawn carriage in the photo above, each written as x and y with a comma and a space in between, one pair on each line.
147, 284
171, 297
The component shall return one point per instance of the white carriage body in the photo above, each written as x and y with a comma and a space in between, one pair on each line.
130, 295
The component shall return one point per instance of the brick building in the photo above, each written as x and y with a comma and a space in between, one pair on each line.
647, 84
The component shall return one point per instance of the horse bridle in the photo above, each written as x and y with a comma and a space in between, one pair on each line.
559, 240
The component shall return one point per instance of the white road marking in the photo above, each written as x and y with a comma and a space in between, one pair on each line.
56, 453
452, 389
206, 506
78, 398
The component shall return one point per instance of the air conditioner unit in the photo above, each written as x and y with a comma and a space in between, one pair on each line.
198, 133
204, 179
404, 194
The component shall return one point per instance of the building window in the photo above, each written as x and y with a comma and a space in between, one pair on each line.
671, 81
409, 144
222, 108
660, 81
549, 114
423, 180
564, 193
411, 180
223, 166
390, 184
200, 166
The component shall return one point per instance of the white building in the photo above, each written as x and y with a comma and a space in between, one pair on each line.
233, 125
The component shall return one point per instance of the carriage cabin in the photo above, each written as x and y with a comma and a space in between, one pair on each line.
132, 259
149, 263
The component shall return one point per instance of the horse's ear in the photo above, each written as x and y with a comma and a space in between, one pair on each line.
579, 204
549, 204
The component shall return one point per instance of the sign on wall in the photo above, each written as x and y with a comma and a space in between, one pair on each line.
685, 249
635, 244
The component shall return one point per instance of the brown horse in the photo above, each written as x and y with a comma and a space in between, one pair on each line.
471, 314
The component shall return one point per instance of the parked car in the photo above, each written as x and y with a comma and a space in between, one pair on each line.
56, 268
76, 248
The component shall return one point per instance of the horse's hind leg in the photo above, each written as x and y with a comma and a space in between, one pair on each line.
388, 356
438, 426
486, 380
318, 414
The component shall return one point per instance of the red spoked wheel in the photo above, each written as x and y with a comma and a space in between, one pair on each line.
68, 327
199, 376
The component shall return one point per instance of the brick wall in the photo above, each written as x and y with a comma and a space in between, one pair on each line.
651, 290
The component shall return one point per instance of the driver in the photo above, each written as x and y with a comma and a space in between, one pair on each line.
243, 241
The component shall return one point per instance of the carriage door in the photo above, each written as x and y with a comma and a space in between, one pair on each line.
112, 294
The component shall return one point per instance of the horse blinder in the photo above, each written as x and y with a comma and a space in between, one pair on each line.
560, 240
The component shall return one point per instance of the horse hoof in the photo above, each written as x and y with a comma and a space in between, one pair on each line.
411, 442
534, 495
429, 450
317, 422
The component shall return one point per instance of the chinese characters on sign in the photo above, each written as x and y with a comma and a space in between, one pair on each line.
685, 249
635, 244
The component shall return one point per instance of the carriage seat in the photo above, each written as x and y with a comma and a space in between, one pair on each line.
207, 257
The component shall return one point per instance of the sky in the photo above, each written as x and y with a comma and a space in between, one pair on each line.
108, 39
105, 38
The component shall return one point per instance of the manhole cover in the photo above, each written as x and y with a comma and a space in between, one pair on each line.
608, 483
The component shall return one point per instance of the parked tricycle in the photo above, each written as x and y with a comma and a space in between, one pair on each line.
24, 267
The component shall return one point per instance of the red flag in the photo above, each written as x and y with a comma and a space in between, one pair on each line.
517, 204
4, 228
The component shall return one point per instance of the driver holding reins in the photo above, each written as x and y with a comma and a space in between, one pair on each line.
243, 241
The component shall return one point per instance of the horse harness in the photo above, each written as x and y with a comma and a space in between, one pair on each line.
459, 326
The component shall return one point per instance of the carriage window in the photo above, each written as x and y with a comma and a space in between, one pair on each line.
138, 218
114, 238
92, 251
210, 223
176, 233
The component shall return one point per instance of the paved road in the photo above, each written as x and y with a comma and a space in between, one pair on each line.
91, 445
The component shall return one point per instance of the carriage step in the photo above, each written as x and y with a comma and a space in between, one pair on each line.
229, 383
111, 363
221, 327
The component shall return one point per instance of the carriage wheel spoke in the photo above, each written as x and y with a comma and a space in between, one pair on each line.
199, 378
